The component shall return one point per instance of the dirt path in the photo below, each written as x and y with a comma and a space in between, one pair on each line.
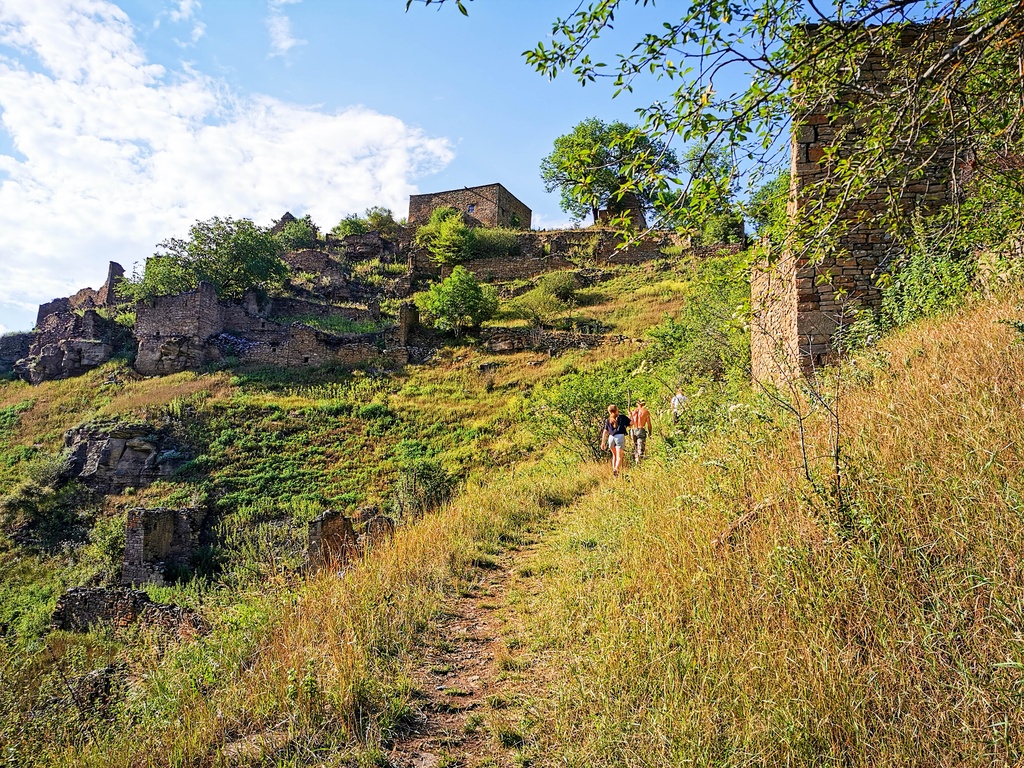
467, 676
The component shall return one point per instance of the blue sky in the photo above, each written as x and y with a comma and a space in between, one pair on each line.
121, 123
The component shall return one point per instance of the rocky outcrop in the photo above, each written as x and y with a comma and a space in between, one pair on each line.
109, 457
64, 359
82, 608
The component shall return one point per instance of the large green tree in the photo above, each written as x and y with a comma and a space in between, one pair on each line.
596, 163
233, 255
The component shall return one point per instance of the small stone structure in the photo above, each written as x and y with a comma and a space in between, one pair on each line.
332, 541
157, 541
82, 608
86, 298
490, 205
798, 303
111, 456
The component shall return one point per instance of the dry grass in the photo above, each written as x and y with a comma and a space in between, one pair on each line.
323, 660
889, 634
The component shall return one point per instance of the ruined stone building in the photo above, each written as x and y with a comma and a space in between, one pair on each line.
799, 303
490, 205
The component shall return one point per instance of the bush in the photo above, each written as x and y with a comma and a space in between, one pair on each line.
458, 303
450, 241
353, 224
496, 242
561, 285
929, 280
422, 485
299, 234
571, 411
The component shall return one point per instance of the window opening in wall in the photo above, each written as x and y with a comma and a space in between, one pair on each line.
305, 360
472, 208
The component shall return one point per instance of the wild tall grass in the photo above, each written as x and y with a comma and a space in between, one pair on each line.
887, 633
316, 668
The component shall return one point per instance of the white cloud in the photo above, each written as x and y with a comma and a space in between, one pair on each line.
186, 10
114, 154
280, 27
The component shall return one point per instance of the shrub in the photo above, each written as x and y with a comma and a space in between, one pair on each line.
299, 234
571, 411
422, 485
561, 285
353, 224
930, 280
496, 242
458, 303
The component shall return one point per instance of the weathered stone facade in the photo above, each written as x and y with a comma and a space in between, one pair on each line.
799, 302
67, 344
490, 205
83, 608
87, 298
157, 541
111, 456
331, 541
190, 330
13, 347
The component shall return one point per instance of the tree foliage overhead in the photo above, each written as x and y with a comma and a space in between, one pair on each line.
727, 69
597, 162
233, 255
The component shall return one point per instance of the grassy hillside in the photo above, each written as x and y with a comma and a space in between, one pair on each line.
720, 605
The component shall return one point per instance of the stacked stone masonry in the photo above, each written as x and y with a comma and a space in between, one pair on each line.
799, 302
490, 205
159, 541
83, 608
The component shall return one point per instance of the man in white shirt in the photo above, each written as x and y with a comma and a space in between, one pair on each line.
677, 405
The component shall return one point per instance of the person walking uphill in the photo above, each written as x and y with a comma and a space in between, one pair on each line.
613, 436
641, 423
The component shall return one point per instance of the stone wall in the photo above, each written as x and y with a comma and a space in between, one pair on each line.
331, 541
82, 608
544, 340
67, 344
190, 330
157, 541
798, 304
541, 252
13, 347
491, 205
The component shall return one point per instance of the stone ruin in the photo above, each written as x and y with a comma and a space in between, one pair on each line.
798, 304
331, 540
159, 542
70, 337
83, 608
190, 330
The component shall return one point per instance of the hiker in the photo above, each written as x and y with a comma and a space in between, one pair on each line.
677, 405
640, 429
613, 436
